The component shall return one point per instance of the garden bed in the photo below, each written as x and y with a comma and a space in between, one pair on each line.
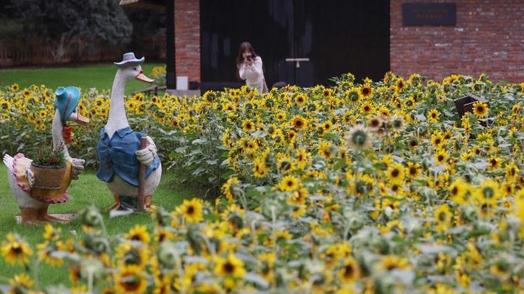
373, 186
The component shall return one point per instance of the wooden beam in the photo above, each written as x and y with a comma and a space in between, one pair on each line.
144, 4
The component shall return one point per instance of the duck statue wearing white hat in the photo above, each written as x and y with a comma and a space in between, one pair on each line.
120, 155
32, 198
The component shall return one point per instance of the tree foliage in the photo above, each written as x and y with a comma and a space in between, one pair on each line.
69, 20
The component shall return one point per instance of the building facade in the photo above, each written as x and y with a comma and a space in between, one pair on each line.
365, 37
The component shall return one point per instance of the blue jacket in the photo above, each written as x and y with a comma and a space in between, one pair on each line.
117, 155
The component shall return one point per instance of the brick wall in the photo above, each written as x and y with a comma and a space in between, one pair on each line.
187, 38
488, 37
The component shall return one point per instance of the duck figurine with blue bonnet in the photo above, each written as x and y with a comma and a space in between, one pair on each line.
119, 151
32, 196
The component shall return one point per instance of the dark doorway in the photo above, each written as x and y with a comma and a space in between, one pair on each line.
303, 42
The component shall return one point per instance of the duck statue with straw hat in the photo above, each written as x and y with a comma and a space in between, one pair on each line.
128, 160
32, 195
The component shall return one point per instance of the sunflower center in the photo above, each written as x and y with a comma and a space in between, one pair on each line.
395, 188
16, 249
229, 267
348, 271
190, 210
488, 192
359, 138
131, 283
395, 173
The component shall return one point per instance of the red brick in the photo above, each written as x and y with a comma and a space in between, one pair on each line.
487, 38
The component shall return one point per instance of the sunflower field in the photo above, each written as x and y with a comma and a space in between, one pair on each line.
375, 187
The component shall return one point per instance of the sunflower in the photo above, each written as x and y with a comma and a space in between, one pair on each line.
441, 157
326, 150
288, 183
130, 254
459, 191
15, 87
331, 255
326, 126
191, 210
15, 250
433, 115
393, 262
21, 283
281, 116
512, 171
299, 122
437, 139
396, 173
367, 108
138, 233
488, 192
494, 162
410, 102
45, 253
350, 271
250, 146
352, 95
302, 158
443, 218
413, 170
4, 105
298, 211
130, 279
260, 169
298, 197
300, 99
51, 233
230, 107
358, 137
397, 123
480, 109
365, 91
374, 123
248, 125
229, 186
231, 266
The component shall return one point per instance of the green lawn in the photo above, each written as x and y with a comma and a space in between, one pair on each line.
85, 76
87, 190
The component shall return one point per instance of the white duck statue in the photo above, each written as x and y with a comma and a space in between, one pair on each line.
32, 200
119, 154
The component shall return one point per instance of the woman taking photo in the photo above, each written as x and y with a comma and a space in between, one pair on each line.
249, 66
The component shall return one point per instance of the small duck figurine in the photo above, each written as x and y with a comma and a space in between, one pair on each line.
32, 200
119, 153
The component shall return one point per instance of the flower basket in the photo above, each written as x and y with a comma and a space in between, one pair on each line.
48, 177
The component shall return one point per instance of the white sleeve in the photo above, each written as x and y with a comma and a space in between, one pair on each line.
242, 71
258, 66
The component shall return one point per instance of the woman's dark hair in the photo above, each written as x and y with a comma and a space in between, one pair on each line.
245, 46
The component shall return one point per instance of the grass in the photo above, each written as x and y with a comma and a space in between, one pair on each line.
87, 190
86, 76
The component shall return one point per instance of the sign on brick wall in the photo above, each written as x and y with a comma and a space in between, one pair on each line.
429, 14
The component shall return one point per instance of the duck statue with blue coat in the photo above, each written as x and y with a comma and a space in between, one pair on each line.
119, 151
33, 199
